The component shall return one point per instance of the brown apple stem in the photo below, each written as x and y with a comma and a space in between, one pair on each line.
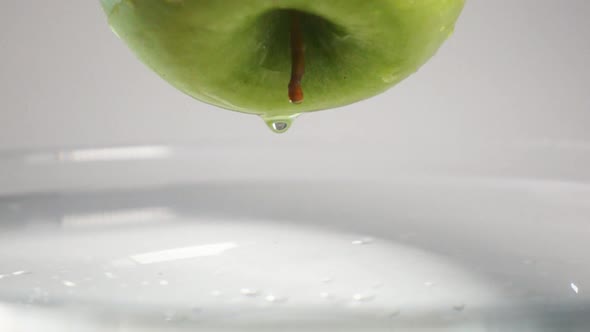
297, 60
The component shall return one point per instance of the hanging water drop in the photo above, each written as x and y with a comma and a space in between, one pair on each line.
279, 124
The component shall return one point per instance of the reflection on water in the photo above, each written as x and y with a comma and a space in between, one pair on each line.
235, 257
117, 217
168, 255
115, 154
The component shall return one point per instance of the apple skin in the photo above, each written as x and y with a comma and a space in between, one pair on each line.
235, 53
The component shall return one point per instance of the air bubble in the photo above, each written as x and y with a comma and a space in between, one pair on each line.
68, 283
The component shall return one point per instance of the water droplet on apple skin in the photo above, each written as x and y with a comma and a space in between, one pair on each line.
447, 30
115, 32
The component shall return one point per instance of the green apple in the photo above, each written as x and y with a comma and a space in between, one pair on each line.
281, 58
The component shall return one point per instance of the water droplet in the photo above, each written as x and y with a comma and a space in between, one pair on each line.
363, 297
20, 273
115, 32
459, 307
363, 241
109, 275
392, 77
279, 124
575, 288
249, 292
327, 280
145, 283
428, 283
164, 283
450, 31
68, 283
216, 293
275, 299
2, 276
123, 263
